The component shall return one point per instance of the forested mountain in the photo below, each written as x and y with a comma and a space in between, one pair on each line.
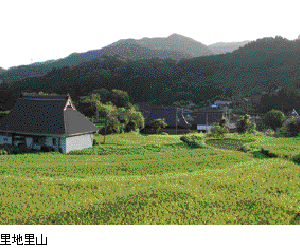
176, 47
223, 48
261, 65
178, 43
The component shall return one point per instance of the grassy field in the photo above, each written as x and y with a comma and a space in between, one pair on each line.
155, 179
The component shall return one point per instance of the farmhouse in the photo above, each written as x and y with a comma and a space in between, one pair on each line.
204, 119
47, 123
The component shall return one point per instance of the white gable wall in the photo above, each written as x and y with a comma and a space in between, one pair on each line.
67, 144
79, 142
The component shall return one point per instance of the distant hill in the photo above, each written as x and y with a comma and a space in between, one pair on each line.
223, 48
178, 43
259, 66
175, 47
129, 48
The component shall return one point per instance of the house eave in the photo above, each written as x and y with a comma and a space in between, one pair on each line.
52, 135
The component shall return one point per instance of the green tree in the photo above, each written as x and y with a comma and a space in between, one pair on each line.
158, 124
89, 105
105, 113
274, 119
244, 125
223, 122
135, 117
120, 98
293, 126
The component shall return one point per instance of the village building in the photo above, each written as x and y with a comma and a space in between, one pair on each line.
176, 118
204, 119
222, 104
47, 123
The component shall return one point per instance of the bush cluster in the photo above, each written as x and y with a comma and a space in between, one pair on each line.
219, 130
193, 141
274, 119
244, 149
164, 133
8, 149
269, 132
158, 124
292, 127
244, 125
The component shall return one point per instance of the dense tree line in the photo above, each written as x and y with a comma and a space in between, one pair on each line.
261, 65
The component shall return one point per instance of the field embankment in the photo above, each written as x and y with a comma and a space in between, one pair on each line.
160, 180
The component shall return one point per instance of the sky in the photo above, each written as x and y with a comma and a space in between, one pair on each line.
40, 30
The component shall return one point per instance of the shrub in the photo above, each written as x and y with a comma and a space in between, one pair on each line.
3, 152
269, 132
293, 126
274, 119
95, 143
267, 153
223, 122
193, 141
252, 128
296, 159
244, 125
9, 149
158, 124
132, 125
244, 149
113, 126
164, 133
218, 131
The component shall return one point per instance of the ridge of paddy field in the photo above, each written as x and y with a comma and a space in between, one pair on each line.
246, 193
192, 186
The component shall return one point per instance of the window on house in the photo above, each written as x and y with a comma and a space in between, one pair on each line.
54, 141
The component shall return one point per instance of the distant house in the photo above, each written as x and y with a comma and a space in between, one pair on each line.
222, 104
204, 119
43, 121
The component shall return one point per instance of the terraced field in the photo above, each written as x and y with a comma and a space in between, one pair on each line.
157, 179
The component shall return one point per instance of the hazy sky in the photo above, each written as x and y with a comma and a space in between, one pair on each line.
41, 30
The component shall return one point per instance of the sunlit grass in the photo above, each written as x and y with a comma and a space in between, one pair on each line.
153, 180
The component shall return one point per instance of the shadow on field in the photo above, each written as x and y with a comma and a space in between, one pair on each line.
295, 220
135, 208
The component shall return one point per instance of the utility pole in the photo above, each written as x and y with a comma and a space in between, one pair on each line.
176, 120
206, 122
106, 121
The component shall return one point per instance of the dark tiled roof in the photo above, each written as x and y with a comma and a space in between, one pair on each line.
209, 117
44, 97
45, 115
76, 123
169, 114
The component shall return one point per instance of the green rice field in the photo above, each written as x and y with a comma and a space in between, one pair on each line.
157, 179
